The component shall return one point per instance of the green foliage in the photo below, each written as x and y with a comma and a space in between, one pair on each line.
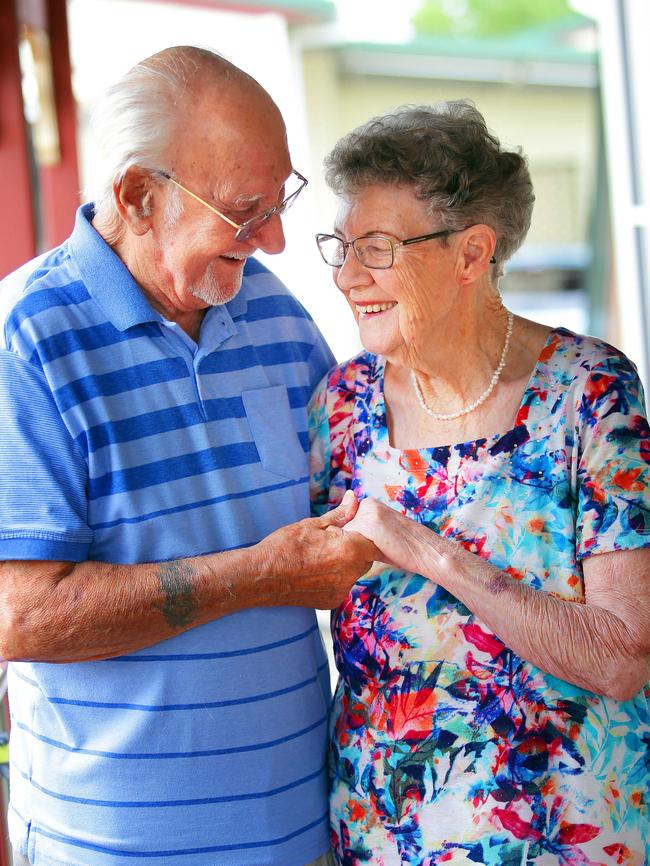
433, 19
486, 17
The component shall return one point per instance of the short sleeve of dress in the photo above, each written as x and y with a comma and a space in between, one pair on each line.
330, 419
614, 461
43, 507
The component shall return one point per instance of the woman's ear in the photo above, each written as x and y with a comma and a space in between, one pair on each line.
134, 199
476, 251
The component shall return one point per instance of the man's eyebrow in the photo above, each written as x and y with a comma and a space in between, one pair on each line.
247, 200
226, 197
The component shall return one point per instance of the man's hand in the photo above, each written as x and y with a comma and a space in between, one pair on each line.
314, 562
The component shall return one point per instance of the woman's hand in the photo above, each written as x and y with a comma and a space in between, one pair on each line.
402, 542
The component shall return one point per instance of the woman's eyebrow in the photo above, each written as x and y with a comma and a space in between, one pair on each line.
369, 233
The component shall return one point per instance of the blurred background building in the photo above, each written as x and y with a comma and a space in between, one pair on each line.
563, 79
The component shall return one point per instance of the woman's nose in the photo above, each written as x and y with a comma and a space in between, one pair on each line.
351, 273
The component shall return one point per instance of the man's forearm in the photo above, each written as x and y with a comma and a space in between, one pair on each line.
64, 612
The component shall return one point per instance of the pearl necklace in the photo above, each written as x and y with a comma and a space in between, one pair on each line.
440, 416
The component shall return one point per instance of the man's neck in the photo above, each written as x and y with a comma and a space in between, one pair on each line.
189, 320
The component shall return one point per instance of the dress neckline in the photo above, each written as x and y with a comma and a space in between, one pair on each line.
515, 434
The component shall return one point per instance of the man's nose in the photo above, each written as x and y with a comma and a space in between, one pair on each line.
270, 238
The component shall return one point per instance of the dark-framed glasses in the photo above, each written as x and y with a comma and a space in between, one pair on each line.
250, 227
373, 251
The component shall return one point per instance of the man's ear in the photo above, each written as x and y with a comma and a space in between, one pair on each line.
476, 252
134, 199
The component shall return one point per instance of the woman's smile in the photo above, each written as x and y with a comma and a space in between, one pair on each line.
374, 309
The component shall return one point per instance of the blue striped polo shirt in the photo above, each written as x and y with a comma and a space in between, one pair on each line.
124, 441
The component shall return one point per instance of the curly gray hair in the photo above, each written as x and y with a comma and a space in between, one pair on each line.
455, 164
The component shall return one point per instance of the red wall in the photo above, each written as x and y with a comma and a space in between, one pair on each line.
57, 189
17, 243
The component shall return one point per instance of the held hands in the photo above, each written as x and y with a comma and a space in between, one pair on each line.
402, 542
313, 563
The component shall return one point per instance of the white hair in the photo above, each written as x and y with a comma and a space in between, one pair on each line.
173, 208
135, 121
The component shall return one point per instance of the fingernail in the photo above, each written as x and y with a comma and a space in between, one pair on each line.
348, 496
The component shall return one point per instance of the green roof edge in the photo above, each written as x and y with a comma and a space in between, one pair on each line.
540, 43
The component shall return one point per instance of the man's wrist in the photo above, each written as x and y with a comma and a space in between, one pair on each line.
253, 575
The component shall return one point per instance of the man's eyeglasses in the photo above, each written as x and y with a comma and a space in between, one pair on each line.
251, 226
373, 251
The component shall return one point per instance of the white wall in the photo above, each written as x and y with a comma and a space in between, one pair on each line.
624, 28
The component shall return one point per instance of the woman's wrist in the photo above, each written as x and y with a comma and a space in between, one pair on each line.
462, 572
433, 555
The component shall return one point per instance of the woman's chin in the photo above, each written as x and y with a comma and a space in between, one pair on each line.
373, 340
379, 329
378, 346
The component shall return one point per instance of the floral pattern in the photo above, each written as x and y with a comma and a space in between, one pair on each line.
447, 747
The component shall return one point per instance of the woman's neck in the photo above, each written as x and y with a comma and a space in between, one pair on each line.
455, 361
459, 385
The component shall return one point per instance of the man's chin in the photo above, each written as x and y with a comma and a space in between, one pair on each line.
215, 295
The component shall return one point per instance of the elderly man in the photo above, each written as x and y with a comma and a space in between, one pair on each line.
168, 686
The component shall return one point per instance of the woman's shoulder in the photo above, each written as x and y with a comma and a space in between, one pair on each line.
581, 356
332, 405
589, 373
336, 393
355, 375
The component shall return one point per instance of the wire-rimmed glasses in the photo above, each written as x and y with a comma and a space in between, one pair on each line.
251, 226
373, 251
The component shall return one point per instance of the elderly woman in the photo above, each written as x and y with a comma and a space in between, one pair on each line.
493, 705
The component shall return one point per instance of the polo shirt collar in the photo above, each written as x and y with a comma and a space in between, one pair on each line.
111, 284
239, 304
108, 280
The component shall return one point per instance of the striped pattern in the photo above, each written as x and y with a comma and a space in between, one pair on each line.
126, 442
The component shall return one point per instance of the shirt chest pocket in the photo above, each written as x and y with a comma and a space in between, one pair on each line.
272, 424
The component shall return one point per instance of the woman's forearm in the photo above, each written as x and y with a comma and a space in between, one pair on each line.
582, 643
602, 645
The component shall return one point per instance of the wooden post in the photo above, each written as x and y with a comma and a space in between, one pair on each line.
17, 230
60, 181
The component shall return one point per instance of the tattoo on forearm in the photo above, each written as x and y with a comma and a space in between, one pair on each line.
180, 604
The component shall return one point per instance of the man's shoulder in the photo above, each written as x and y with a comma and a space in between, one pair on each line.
255, 267
266, 296
15, 285
46, 282
274, 317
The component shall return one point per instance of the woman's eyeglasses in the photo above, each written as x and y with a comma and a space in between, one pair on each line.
373, 251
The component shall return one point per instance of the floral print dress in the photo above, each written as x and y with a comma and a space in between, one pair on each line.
446, 746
